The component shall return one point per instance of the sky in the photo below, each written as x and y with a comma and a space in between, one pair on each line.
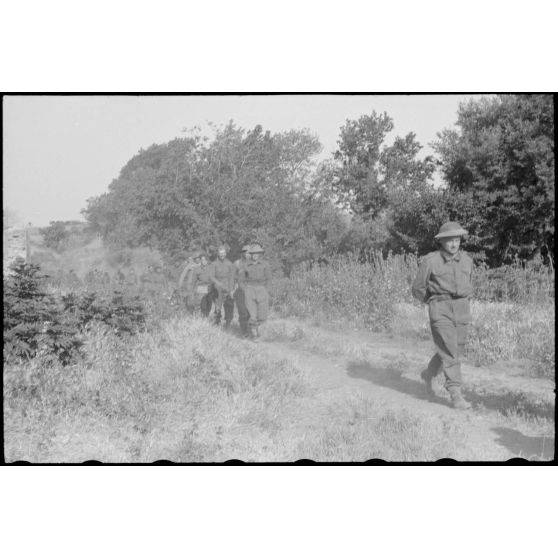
61, 150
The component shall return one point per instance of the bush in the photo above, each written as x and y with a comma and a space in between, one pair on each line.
38, 322
348, 290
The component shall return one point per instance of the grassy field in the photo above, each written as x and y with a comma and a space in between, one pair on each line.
185, 391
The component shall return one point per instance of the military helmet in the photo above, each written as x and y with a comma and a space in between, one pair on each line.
451, 228
256, 249
246, 248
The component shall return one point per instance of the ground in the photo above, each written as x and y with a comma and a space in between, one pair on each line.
512, 415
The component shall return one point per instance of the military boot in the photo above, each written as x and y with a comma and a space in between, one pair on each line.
217, 318
427, 379
457, 400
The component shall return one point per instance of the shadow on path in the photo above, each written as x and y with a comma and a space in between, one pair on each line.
510, 401
528, 447
392, 379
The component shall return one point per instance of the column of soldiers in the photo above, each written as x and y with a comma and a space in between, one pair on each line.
222, 285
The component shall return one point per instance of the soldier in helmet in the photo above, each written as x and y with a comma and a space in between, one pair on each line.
221, 273
239, 296
200, 285
444, 282
254, 278
185, 279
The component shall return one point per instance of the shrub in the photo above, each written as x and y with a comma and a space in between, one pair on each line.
348, 290
36, 321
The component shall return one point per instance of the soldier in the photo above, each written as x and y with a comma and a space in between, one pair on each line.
254, 278
239, 297
131, 282
185, 279
444, 282
119, 279
200, 284
221, 273
105, 279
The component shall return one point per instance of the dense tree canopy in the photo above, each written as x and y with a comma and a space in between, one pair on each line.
242, 186
499, 167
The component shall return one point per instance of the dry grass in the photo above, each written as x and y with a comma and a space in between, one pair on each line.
185, 393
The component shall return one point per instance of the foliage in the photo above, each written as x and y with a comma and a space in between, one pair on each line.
32, 319
38, 322
347, 290
242, 186
499, 166
55, 236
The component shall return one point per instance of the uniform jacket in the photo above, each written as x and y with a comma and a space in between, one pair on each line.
200, 276
254, 273
222, 274
440, 274
186, 275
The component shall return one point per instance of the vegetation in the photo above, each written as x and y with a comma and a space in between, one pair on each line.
36, 322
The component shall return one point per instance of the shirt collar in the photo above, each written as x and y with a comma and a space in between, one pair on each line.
448, 258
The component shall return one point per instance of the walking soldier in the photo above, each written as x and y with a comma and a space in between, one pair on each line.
253, 278
185, 280
444, 282
239, 296
221, 273
200, 285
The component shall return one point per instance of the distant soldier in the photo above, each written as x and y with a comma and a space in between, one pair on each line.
185, 279
221, 273
119, 279
131, 283
444, 282
105, 279
200, 285
253, 278
239, 297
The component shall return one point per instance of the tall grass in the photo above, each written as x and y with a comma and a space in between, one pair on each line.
513, 306
347, 290
187, 392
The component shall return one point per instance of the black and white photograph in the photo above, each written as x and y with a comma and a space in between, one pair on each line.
278, 278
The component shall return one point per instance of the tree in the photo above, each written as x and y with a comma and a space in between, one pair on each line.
241, 186
56, 235
499, 168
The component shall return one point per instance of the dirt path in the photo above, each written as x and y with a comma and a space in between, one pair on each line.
390, 375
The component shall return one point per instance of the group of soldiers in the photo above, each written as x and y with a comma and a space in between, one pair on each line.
222, 284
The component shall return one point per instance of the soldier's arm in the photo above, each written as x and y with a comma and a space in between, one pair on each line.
419, 287
232, 273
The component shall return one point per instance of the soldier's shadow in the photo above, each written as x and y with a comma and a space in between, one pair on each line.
528, 447
392, 379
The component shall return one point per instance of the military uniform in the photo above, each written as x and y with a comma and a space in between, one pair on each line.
222, 274
185, 284
253, 278
239, 296
200, 287
444, 282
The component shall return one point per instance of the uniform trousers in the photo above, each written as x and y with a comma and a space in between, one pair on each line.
449, 323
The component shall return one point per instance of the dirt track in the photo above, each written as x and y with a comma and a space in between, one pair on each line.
392, 378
